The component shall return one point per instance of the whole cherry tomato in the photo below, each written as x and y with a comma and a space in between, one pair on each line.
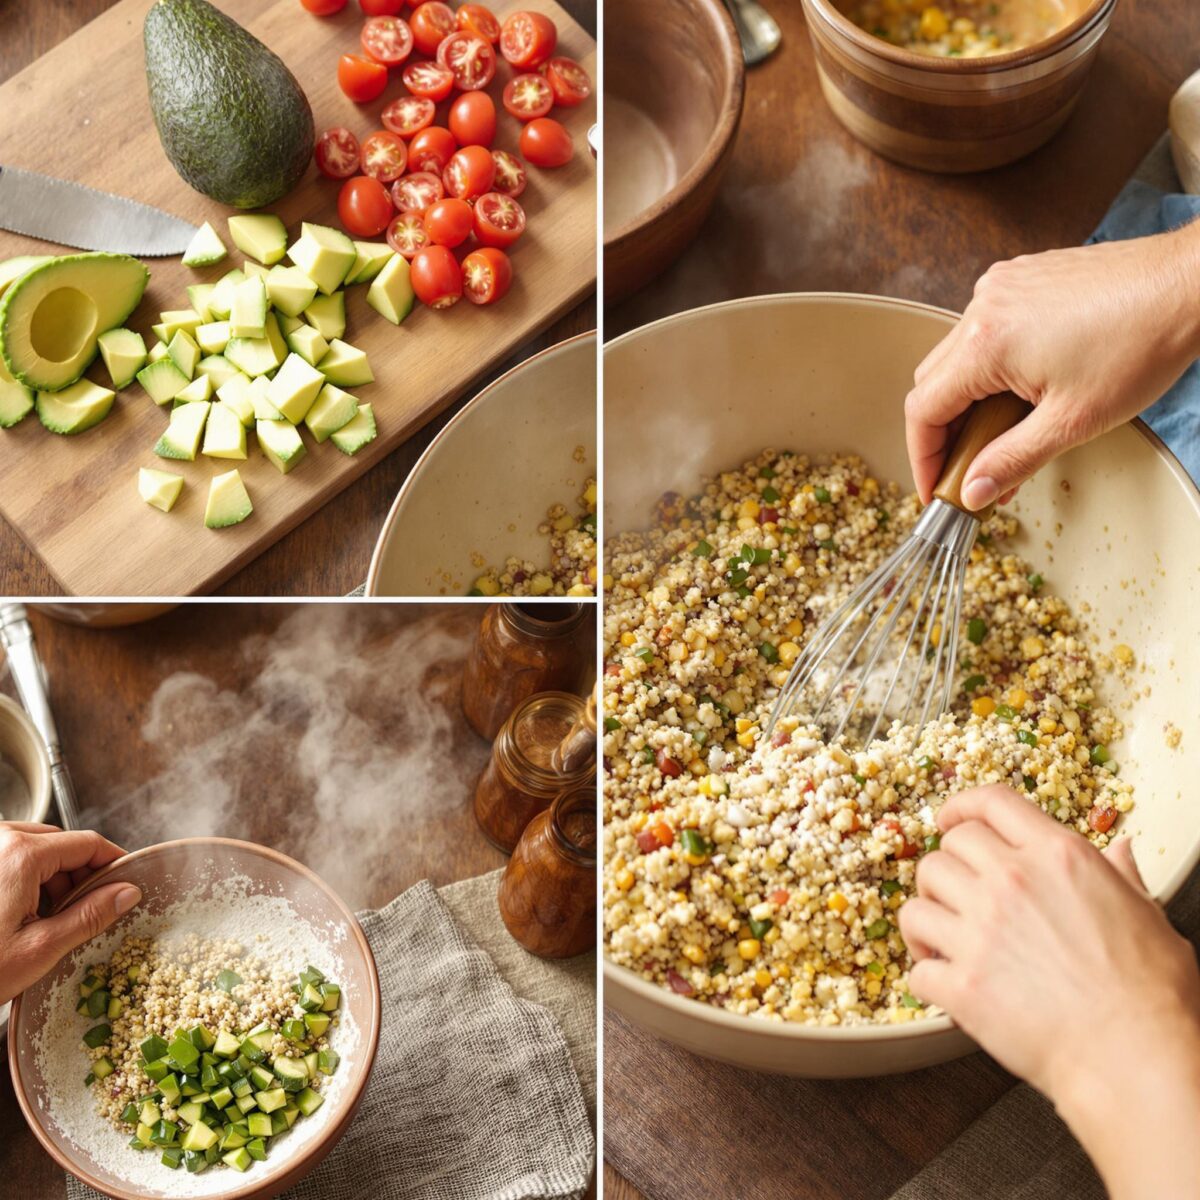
364, 206
436, 277
361, 78
473, 119
545, 143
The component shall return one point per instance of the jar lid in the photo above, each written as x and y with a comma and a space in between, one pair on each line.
546, 619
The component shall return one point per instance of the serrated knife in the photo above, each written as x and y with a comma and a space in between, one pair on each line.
71, 214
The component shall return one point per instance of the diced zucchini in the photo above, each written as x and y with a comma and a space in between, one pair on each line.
181, 1054
272, 1099
153, 1048
159, 489
309, 1101
124, 354
317, 1023
181, 439
238, 1159
191, 1112
292, 1073
205, 248
331, 992
351, 438
165, 1133
149, 1113
327, 314
222, 1097
228, 500
144, 1133
260, 235
327, 1061
262, 1078
199, 1137
257, 1149
259, 1124
99, 1034
172, 1157
311, 999
310, 1062
115, 1007
171, 1088
156, 1071
345, 365
232, 1138
226, 1045
195, 1161
163, 380
245, 1103
290, 1114
293, 1029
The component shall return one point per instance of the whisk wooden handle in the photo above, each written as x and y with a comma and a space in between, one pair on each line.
986, 421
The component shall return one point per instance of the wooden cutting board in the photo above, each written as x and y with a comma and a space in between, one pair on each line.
81, 112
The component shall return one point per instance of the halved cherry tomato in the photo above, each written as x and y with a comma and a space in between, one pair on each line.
324, 8
431, 22
510, 173
473, 119
362, 79
387, 40
337, 153
469, 173
449, 222
406, 234
416, 192
408, 115
545, 143
475, 18
471, 58
570, 83
384, 156
436, 277
527, 39
499, 219
432, 149
380, 8
428, 79
487, 275
528, 97
364, 206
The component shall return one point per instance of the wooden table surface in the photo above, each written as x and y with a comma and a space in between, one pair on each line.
329, 553
806, 208
262, 721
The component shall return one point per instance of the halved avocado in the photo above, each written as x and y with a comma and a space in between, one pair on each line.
52, 316
14, 268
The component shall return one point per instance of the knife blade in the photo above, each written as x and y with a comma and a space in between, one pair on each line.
71, 214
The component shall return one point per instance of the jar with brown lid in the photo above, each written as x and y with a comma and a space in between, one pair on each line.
522, 649
544, 748
548, 891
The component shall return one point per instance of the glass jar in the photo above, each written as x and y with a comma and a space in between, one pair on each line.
528, 767
548, 891
522, 649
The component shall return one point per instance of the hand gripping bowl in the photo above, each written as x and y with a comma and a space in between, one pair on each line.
164, 873
828, 373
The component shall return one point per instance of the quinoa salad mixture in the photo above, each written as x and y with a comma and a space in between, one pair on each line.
959, 28
765, 878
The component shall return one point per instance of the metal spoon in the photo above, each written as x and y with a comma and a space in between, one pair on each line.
756, 28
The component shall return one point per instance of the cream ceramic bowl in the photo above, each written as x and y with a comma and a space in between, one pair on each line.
22, 748
823, 373
482, 487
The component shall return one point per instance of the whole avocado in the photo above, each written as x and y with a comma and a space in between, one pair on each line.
232, 118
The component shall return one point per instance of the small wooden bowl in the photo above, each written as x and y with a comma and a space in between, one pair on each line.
164, 873
953, 114
673, 89
22, 748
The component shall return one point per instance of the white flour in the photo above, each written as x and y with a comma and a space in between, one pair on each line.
270, 928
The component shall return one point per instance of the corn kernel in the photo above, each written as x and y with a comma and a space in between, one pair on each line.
748, 948
788, 653
1123, 654
792, 563
638, 821
762, 977
772, 935
627, 639
783, 971
487, 585
748, 508
695, 860
608, 582
718, 658
742, 724
580, 589
1032, 647
1047, 724
933, 24
746, 740
1018, 698
624, 879
795, 627
983, 706
694, 954
734, 701
838, 903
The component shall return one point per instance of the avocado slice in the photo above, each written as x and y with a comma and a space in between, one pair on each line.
327, 315
264, 410
220, 301
295, 388
198, 295
228, 501
331, 410
290, 290
260, 235
252, 356
16, 400
345, 365
391, 295
325, 255
231, 117
235, 395
124, 354
307, 342
159, 489
163, 380
213, 337
224, 435
184, 352
181, 438
372, 258
53, 314
281, 443
201, 388
354, 435
13, 268
218, 368
157, 351
76, 408
186, 319
205, 248
248, 317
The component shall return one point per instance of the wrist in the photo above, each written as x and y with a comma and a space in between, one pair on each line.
1182, 287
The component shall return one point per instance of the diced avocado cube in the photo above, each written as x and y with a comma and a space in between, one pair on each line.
124, 354
310, 1062
201, 388
345, 365
191, 1112
325, 255
99, 1034
309, 1101
156, 353
286, 323
327, 1061
222, 1097
218, 368
245, 1103
371, 258
332, 410
213, 337
199, 1137
253, 356
391, 294
264, 410
159, 489
156, 1071
184, 352
172, 1157
311, 999
290, 1114
317, 1023
327, 314
165, 1133
163, 380
272, 1099
171, 1088
181, 439
259, 1124
292, 1073
226, 1045
160, 332
307, 342
261, 1077
255, 270
290, 290
238, 1159
351, 438
185, 319
220, 302
205, 248
198, 296
224, 435
228, 500
257, 1149
149, 1113
275, 338
295, 388
260, 235
144, 1133
333, 996
235, 395
248, 317
281, 443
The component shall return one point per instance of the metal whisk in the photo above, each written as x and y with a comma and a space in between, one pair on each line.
911, 603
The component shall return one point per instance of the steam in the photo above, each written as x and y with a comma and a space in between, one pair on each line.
344, 747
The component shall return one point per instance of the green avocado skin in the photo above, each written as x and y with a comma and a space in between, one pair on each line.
231, 117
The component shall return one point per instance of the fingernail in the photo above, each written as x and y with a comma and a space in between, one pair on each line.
980, 492
126, 898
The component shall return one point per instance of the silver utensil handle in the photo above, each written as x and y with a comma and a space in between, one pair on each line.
64, 796
756, 29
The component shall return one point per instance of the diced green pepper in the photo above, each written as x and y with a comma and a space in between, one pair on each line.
611, 723
228, 980
933, 841
976, 630
972, 682
822, 494
889, 887
759, 928
1099, 755
702, 549
1005, 712
1027, 736
172, 1157
769, 652
97, 1036
877, 929
910, 1001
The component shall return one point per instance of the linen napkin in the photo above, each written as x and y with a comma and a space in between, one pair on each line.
474, 1095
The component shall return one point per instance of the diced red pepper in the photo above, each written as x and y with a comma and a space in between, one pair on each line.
767, 514
647, 842
852, 489
781, 738
613, 669
667, 765
1101, 818
679, 984
663, 832
780, 896
907, 849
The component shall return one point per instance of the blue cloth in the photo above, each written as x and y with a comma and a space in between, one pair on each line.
1143, 208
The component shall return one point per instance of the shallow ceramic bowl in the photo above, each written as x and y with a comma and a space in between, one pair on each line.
483, 485
163, 873
953, 114
102, 615
673, 90
829, 373
22, 747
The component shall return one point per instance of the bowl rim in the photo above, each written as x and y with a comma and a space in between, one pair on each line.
39, 808
409, 485
371, 1043
1097, 11
719, 139
624, 978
